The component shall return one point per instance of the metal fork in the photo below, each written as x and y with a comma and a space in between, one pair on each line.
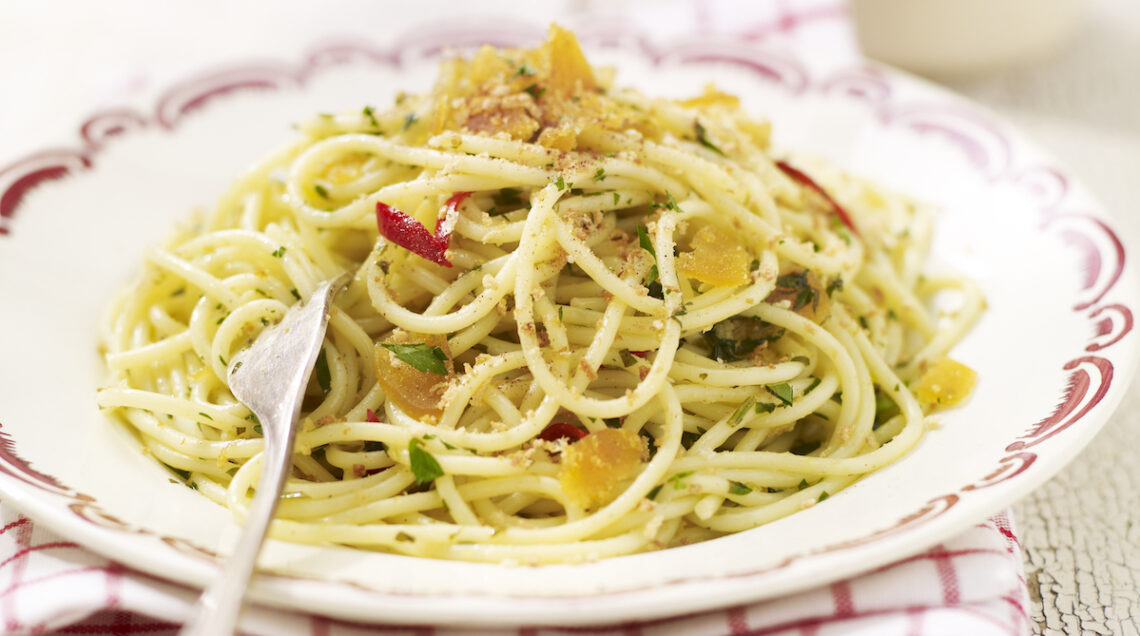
270, 379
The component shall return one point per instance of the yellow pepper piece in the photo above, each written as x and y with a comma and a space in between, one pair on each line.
945, 383
594, 466
717, 258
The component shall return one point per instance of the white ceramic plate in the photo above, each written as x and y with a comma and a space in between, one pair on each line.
1053, 351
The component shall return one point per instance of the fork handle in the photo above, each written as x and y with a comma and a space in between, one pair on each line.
216, 611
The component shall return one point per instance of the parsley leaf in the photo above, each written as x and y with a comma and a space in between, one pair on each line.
738, 414
367, 112
737, 488
702, 136
643, 239
627, 358
678, 480
321, 370
409, 120
535, 91
508, 197
797, 285
811, 387
422, 357
834, 286
782, 391
600, 175
279, 252
652, 277
424, 467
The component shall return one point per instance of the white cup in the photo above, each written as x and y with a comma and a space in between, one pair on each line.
962, 37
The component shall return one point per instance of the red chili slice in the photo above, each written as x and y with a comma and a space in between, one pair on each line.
801, 177
557, 430
370, 416
410, 234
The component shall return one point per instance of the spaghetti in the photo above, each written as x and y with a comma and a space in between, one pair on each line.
583, 323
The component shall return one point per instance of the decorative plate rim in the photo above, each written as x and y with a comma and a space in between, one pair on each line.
987, 142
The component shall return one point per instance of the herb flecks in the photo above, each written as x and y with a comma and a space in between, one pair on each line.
703, 138
370, 114
783, 392
321, 370
737, 488
535, 91
797, 286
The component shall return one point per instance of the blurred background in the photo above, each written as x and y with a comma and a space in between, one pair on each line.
1064, 71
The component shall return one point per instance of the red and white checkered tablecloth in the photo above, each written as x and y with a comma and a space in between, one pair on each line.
972, 584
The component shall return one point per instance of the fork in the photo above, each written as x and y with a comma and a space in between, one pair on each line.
269, 378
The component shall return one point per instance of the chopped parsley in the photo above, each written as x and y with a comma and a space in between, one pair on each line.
834, 286
627, 358
367, 112
702, 136
738, 414
560, 183
782, 391
737, 488
320, 189
823, 495
524, 70
279, 252
410, 119
678, 480
424, 466
643, 239
652, 494
797, 285
321, 370
508, 197
535, 91
617, 198
420, 356
811, 387
733, 339
205, 415
600, 175
669, 204
296, 294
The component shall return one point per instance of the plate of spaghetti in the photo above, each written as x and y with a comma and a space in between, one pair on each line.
635, 331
